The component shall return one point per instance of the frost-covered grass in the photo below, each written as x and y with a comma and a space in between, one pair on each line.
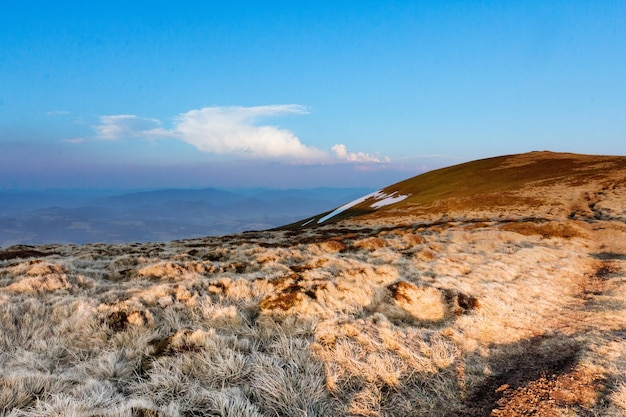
360, 321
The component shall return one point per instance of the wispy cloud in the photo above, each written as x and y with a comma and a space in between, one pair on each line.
75, 140
57, 113
127, 126
231, 130
342, 153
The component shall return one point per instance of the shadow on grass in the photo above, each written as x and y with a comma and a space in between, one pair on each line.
609, 256
22, 252
519, 364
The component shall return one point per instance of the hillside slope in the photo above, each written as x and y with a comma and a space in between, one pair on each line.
495, 288
535, 183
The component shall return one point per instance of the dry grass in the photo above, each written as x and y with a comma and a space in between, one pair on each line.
389, 322
473, 316
546, 230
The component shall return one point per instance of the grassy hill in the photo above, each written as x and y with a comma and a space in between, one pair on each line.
531, 180
495, 288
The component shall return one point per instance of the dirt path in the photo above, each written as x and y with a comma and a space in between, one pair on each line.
562, 373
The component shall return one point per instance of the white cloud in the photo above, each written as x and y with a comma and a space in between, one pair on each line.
220, 130
232, 130
342, 153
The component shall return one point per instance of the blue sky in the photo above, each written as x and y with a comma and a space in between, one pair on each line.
299, 93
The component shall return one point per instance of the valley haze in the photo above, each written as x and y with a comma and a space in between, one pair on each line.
113, 216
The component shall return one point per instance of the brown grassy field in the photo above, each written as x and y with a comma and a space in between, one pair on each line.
496, 288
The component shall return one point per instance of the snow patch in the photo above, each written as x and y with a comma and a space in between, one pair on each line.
382, 199
304, 224
347, 206
389, 199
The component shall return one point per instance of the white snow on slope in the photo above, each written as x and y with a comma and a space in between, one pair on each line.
382, 199
304, 224
389, 199
347, 206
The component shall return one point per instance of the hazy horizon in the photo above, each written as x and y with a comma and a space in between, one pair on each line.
97, 216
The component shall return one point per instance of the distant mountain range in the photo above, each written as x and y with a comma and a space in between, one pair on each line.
62, 216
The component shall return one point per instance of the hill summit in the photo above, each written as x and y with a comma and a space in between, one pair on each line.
539, 183
491, 288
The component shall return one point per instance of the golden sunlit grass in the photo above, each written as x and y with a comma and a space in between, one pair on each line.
468, 316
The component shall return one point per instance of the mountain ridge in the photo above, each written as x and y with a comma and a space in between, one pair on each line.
510, 180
